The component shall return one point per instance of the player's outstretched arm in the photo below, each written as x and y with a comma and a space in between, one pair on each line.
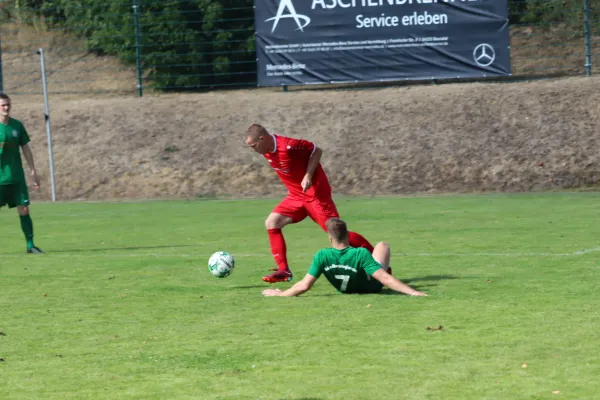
301, 287
390, 281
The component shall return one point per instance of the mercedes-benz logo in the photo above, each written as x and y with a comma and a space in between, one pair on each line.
301, 20
484, 54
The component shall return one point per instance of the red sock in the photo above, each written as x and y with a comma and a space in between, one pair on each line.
278, 248
356, 240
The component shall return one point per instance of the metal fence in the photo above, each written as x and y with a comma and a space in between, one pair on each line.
139, 46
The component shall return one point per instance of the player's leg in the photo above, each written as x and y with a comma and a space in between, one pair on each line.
367, 284
3, 195
287, 212
357, 240
382, 254
274, 224
27, 228
20, 197
322, 210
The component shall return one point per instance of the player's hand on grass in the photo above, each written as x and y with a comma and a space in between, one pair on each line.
36, 180
306, 183
271, 292
417, 293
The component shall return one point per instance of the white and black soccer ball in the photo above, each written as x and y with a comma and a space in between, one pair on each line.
221, 264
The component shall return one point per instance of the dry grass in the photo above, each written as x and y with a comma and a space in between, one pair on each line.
447, 138
70, 68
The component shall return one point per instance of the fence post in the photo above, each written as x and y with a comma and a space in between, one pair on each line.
138, 47
1, 85
588, 39
47, 118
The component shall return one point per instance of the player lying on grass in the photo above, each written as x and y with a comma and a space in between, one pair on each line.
298, 165
348, 269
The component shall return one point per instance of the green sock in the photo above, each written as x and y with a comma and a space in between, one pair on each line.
27, 227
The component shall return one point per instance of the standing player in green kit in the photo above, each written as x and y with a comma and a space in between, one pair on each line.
13, 185
349, 269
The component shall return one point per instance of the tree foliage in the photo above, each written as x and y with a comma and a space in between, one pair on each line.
184, 44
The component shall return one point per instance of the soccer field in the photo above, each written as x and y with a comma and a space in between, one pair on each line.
122, 305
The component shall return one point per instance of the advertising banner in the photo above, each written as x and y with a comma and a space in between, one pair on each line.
334, 41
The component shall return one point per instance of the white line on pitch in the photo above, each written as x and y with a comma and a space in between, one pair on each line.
586, 251
138, 253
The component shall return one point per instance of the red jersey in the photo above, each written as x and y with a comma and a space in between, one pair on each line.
290, 160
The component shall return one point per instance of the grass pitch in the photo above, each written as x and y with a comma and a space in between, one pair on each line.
122, 305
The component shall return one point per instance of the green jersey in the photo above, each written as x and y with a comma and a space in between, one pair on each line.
12, 136
348, 270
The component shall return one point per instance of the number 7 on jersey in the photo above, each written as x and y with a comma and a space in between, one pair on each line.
344, 279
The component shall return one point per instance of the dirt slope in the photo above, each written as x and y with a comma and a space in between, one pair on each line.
447, 138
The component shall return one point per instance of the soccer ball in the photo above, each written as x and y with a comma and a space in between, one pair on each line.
221, 264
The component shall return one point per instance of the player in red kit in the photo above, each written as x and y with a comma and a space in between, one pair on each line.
297, 162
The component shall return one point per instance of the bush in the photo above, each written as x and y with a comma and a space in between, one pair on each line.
183, 44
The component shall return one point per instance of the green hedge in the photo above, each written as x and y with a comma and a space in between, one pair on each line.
184, 44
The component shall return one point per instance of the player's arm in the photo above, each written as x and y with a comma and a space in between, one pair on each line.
301, 287
390, 281
313, 162
29, 158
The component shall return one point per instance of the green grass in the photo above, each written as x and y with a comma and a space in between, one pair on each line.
122, 305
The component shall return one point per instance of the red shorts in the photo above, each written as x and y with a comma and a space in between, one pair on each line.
319, 210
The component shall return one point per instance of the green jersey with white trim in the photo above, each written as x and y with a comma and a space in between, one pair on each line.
349, 270
12, 136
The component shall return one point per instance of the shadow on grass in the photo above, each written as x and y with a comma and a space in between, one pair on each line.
424, 279
428, 278
251, 287
389, 292
384, 291
302, 398
128, 248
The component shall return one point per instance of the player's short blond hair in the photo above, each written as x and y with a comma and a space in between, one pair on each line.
255, 131
337, 229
